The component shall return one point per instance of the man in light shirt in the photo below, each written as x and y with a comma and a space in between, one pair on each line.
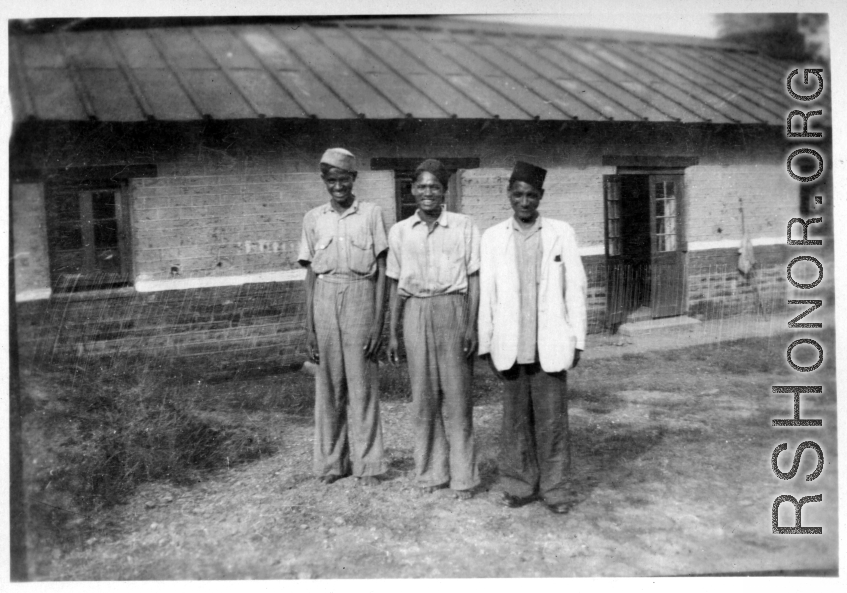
343, 248
433, 263
532, 326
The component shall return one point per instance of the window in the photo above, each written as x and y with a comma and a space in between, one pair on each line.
87, 233
665, 215
613, 217
404, 171
406, 205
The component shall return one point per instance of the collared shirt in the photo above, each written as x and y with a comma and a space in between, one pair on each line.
433, 262
528, 253
343, 245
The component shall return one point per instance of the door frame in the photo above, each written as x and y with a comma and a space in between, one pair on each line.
679, 253
615, 307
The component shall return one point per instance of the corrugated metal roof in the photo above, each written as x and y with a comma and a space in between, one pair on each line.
389, 69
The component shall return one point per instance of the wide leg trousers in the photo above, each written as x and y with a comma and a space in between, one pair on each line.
348, 433
535, 456
440, 374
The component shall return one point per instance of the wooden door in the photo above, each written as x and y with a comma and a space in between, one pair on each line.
668, 246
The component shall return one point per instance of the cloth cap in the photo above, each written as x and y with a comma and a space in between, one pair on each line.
436, 168
339, 158
528, 174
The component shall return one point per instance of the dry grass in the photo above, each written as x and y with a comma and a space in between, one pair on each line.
644, 470
94, 434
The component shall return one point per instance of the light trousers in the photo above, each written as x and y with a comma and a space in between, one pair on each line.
440, 374
348, 433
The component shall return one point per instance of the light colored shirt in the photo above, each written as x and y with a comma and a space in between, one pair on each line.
433, 262
528, 254
343, 245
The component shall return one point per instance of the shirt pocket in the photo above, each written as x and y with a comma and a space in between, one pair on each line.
560, 275
323, 261
361, 253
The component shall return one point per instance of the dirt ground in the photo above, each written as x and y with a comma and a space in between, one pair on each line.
672, 460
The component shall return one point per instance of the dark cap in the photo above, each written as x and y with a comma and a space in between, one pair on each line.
528, 174
436, 168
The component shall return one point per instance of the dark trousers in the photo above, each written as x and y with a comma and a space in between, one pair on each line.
535, 456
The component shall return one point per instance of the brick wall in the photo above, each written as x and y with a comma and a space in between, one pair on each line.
225, 225
715, 194
483, 196
715, 286
571, 194
32, 271
713, 191
205, 226
256, 322
234, 209
717, 289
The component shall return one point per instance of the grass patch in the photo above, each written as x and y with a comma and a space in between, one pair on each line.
691, 369
95, 433
740, 357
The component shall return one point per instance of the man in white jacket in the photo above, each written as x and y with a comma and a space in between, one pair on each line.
532, 326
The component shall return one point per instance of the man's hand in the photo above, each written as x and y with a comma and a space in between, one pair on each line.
576, 355
393, 349
469, 342
312, 346
374, 342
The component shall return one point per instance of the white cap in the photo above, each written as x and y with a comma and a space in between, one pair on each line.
339, 158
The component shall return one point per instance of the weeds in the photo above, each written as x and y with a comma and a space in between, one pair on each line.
96, 433
98, 429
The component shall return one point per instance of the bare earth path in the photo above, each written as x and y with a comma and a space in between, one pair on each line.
673, 476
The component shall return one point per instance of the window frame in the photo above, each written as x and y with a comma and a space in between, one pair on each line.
97, 176
404, 170
89, 277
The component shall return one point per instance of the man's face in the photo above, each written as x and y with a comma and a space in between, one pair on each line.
339, 184
429, 193
525, 199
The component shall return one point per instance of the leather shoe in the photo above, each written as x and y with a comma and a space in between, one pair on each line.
513, 502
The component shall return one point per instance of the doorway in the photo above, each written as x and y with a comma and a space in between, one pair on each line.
645, 246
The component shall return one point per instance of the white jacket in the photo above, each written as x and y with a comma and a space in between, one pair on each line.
562, 316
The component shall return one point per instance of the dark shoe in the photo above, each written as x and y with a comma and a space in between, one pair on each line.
513, 502
560, 508
329, 479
